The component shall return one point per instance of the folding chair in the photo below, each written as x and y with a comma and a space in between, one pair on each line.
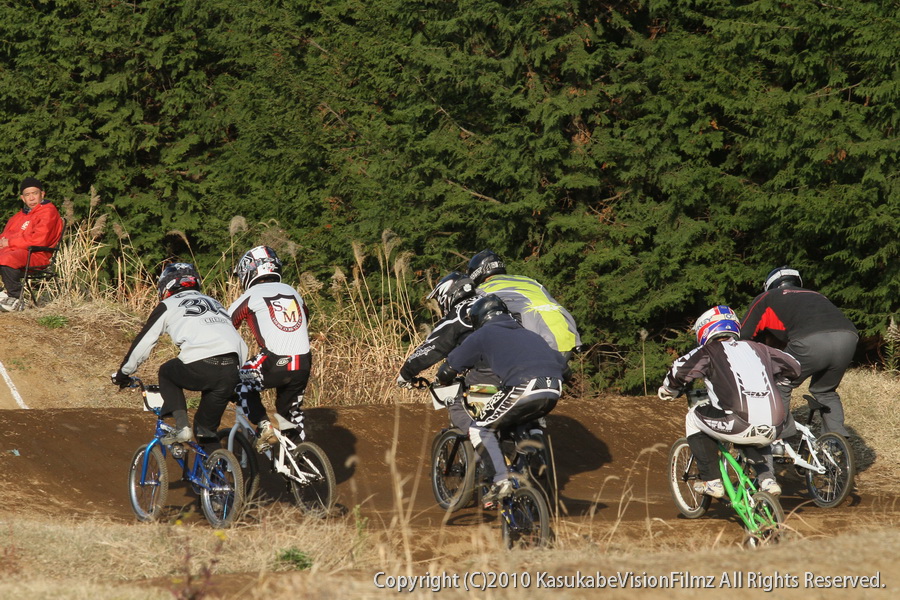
46, 273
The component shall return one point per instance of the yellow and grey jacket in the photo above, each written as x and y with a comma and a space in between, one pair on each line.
533, 306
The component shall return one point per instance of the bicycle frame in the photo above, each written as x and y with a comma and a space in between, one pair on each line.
810, 440
282, 458
740, 495
198, 475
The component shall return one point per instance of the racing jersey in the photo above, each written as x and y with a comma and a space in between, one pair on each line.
790, 313
197, 324
535, 308
277, 317
513, 353
446, 335
740, 377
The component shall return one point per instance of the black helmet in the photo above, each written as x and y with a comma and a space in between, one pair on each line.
257, 263
486, 308
451, 290
484, 264
177, 277
781, 277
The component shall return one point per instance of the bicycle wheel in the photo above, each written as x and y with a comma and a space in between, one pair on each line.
316, 496
452, 470
222, 498
542, 469
683, 473
148, 498
525, 519
831, 488
246, 456
769, 517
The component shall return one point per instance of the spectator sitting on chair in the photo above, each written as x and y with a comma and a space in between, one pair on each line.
37, 224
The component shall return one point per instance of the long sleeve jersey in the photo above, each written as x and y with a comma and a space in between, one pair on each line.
789, 313
536, 309
740, 377
277, 317
196, 323
446, 335
513, 353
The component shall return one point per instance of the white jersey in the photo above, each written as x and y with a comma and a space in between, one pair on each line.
197, 324
276, 315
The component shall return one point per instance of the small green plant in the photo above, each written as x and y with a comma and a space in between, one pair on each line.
53, 321
294, 559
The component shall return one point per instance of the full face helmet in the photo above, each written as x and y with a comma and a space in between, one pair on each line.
486, 308
177, 277
483, 265
451, 290
781, 277
719, 321
256, 264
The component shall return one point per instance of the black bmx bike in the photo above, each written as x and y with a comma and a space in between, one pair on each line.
457, 479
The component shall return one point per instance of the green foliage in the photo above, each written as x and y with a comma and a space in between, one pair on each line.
293, 558
53, 321
642, 159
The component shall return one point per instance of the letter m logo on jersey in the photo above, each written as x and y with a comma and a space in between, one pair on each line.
285, 312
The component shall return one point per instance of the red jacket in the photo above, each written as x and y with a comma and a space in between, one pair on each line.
41, 226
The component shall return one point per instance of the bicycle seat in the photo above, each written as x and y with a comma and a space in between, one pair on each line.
284, 424
815, 404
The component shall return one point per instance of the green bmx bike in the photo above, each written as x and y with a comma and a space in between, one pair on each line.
759, 512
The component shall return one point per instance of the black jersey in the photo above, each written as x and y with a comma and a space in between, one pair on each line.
789, 313
446, 335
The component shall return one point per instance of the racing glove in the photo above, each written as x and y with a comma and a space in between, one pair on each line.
120, 379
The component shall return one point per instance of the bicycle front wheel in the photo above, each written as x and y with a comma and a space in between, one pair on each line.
832, 487
246, 456
452, 470
767, 518
525, 519
542, 469
148, 493
222, 498
683, 472
315, 495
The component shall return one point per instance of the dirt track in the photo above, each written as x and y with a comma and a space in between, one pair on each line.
610, 452
72, 461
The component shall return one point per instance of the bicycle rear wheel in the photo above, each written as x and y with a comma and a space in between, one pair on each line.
315, 497
148, 495
222, 498
832, 487
452, 470
246, 456
525, 519
768, 517
683, 472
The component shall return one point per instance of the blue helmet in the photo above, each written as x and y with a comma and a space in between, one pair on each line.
717, 322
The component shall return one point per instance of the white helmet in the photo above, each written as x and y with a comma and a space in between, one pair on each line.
257, 263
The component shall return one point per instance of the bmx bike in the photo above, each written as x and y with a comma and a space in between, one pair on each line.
215, 476
457, 478
303, 465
